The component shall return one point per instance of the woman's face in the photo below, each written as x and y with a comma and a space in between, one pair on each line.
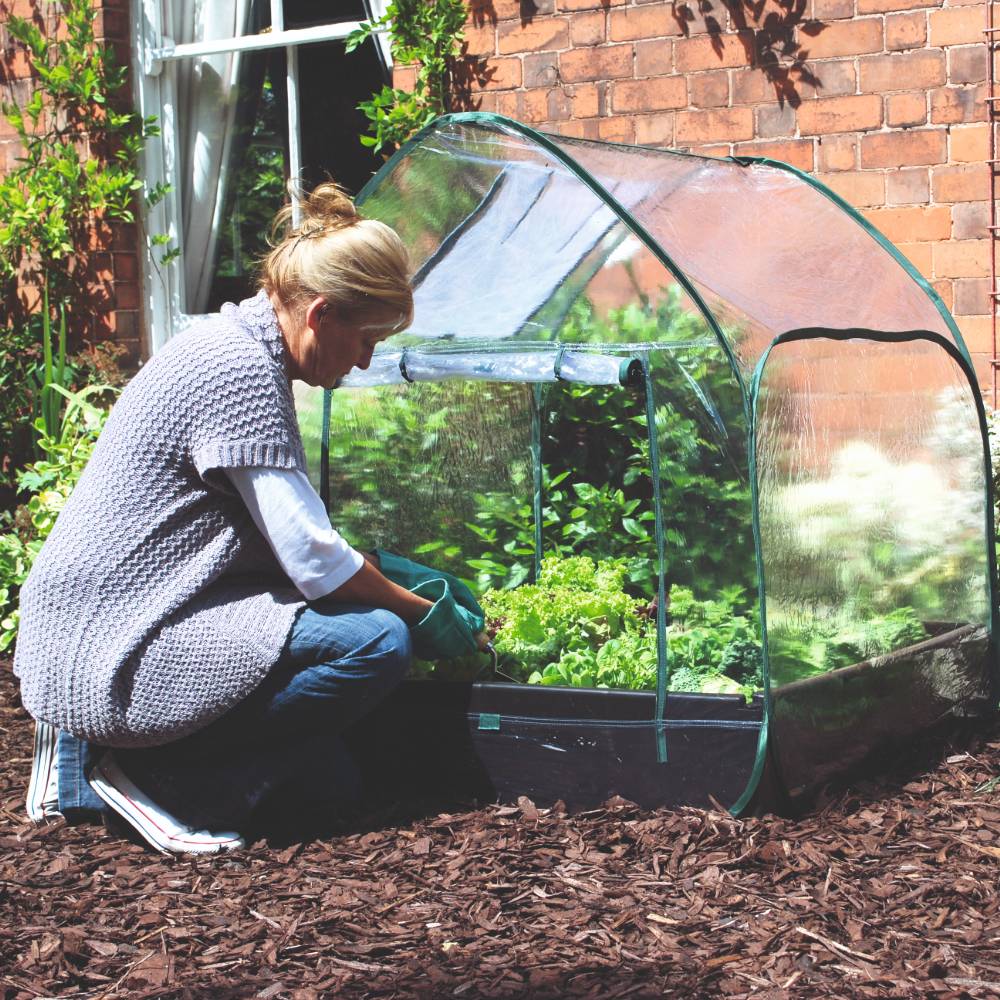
323, 347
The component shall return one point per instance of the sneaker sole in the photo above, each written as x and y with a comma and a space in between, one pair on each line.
120, 794
42, 762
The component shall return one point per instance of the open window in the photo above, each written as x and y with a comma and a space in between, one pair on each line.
247, 93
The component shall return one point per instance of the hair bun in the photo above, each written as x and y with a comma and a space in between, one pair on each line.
327, 206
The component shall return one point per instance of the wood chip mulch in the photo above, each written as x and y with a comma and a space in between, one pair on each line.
889, 890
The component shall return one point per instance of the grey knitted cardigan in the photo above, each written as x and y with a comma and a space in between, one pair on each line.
156, 604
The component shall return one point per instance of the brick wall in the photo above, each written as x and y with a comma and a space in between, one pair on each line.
884, 100
110, 307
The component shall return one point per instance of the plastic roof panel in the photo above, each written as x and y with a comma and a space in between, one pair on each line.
765, 248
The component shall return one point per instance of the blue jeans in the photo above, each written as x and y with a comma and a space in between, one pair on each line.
339, 662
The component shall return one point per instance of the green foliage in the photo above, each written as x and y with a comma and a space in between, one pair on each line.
576, 627
598, 494
49, 482
77, 170
426, 34
799, 649
79, 149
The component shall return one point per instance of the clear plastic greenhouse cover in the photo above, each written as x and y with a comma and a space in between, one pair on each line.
771, 411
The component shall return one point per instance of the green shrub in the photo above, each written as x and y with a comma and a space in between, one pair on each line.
49, 482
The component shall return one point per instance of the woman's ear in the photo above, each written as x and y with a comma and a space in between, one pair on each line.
315, 312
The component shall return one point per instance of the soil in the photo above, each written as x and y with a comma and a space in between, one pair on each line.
888, 889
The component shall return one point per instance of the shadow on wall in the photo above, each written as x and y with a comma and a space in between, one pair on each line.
767, 30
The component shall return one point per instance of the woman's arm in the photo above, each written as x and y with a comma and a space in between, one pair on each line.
291, 516
368, 586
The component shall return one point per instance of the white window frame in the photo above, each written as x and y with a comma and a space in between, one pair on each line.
155, 94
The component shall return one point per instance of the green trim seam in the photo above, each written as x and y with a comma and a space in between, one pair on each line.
875, 234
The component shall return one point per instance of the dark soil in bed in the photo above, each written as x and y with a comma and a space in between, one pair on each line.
886, 890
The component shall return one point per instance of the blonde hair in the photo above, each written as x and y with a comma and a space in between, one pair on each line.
358, 265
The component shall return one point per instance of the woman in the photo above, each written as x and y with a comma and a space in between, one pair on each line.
192, 608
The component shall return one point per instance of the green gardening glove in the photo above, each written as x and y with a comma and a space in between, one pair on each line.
448, 630
410, 574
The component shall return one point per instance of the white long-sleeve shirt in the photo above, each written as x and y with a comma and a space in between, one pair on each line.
293, 519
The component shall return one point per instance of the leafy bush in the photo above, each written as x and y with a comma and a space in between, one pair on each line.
50, 482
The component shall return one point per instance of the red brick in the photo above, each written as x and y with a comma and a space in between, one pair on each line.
957, 25
655, 130
905, 110
914, 224
662, 94
951, 105
126, 296
571, 5
920, 255
713, 150
577, 129
970, 220
775, 121
699, 17
946, 292
611, 63
484, 102
961, 259
480, 41
541, 69
904, 149
701, 127
972, 296
977, 333
620, 128
584, 100
126, 267
858, 188
502, 74
963, 182
831, 10
751, 86
880, 6
841, 38
838, 152
909, 186
967, 64
534, 36
970, 143
709, 90
910, 71
588, 29
713, 52
840, 114
655, 58
905, 31
404, 77
797, 152
655, 20
834, 78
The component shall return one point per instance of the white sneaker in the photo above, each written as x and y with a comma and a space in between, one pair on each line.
43, 787
161, 830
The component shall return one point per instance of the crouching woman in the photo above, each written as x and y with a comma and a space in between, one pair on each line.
195, 637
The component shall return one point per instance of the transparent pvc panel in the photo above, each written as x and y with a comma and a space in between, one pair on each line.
504, 236
767, 251
872, 493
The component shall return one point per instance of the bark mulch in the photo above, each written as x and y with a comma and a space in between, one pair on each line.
889, 890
